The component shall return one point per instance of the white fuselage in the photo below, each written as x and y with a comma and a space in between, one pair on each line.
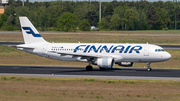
120, 52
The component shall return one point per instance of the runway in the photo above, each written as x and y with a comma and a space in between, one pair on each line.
80, 72
11, 43
170, 46
163, 46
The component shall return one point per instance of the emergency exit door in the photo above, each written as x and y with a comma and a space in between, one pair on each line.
146, 50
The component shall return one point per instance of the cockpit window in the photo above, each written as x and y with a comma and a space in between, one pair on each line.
159, 50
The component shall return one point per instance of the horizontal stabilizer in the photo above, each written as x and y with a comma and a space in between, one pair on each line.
24, 46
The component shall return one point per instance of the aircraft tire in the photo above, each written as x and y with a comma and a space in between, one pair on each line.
102, 68
89, 68
149, 69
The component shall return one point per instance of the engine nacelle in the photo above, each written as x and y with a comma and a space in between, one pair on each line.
126, 64
105, 62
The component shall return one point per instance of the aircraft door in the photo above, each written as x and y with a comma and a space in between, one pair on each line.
146, 50
44, 51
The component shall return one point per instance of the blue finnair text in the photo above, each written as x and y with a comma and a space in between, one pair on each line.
111, 49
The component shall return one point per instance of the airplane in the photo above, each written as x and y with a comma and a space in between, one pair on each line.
104, 55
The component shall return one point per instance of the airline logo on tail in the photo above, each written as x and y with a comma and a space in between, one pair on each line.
30, 31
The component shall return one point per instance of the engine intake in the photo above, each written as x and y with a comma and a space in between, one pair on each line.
105, 62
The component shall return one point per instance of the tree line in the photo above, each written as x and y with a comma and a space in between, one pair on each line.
70, 15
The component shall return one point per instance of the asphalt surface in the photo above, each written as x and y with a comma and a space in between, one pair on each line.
96, 71
80, 72
163, 46
170, 46
11, 43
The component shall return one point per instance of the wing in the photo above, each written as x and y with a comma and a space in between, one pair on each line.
89, 56
77, 54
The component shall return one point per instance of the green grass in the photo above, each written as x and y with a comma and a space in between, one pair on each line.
122, 37
56, 88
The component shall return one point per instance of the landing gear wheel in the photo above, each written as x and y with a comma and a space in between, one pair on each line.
89, 68
149, 69
102, 68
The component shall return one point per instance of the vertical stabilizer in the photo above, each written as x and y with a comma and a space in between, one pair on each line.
30, 34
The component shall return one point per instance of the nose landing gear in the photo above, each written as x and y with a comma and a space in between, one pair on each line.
149, 69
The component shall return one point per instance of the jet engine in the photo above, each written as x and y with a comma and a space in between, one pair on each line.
105, 62
126, 64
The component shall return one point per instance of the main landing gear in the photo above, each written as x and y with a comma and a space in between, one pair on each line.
89, 68
149, 69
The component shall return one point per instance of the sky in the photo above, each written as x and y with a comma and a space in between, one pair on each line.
97, 0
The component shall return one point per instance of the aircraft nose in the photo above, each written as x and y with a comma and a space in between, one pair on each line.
167, 56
